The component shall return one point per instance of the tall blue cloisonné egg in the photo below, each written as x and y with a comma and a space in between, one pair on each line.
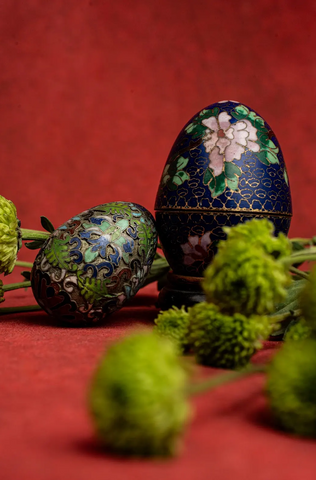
92, 264
225, 167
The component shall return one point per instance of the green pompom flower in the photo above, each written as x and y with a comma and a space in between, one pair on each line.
291, 387
138, 398
174, 324
10, 236
260, 232
307, 300
224, 341
243, 278
296, 331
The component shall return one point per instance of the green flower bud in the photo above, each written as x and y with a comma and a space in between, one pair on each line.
297, 331
291, 387
243, 278
224, 341
138, 398
10, 236
260, 232
174, 324
307, 300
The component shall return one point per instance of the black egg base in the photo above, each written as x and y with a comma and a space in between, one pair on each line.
179, 291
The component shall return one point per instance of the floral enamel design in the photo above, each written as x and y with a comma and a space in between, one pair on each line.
174, 175
226, 137
226, 142
195, 249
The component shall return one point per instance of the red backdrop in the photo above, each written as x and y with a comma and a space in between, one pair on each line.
92, 96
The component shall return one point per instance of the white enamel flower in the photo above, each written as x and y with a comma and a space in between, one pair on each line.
225, 141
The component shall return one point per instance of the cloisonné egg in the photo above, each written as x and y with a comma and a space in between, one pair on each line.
92, 264
225, 167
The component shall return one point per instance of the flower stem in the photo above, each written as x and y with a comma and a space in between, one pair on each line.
28, 234
284, 316
214, 382
19, 263
26, 308
304, 241
299, 273
15, 286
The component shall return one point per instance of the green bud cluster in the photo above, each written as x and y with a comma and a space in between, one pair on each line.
225, 341
291, 387
260, 232
10, 235
138, 396
297, 331
174, 324
244, 278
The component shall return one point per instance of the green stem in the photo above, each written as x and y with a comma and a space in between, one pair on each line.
19, 263
300, 257
299, 273
284, 316
15, 286
26, 308
303, 241
214, 382
28, 234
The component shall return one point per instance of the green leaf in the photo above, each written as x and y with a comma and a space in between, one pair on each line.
47, 224
220, 185
180, 178
57, 253
262, 156
181, 163
120, 208
93, 289
208, 176
36, 244
231, 170
242, 110
233, 183
26, 274
272, 158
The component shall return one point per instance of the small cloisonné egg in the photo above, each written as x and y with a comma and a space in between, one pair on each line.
225, 167
92, 264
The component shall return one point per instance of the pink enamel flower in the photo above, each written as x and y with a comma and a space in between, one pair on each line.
196, 249
226, 142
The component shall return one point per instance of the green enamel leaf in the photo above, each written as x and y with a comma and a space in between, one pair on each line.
220, 185
242, 110
231, 170
93, 289
232, 183
208, 176
180, 178
286, 178
262, 156
199, 130
119, 208
272, 158
190, 127
182, 162
57, 253
89, 255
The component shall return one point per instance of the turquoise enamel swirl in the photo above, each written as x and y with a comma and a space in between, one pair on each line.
92, 264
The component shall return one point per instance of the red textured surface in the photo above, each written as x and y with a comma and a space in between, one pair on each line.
92, 96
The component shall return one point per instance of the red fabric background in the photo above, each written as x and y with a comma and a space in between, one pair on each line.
92, 96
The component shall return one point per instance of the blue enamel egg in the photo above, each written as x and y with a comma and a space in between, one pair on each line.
93, 263
225, 167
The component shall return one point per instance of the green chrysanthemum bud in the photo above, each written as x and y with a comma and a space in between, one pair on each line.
138, 398
10, 236
308, 300
297, 331
174, 324
260, 232
291, 387
225, 341
243, 278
